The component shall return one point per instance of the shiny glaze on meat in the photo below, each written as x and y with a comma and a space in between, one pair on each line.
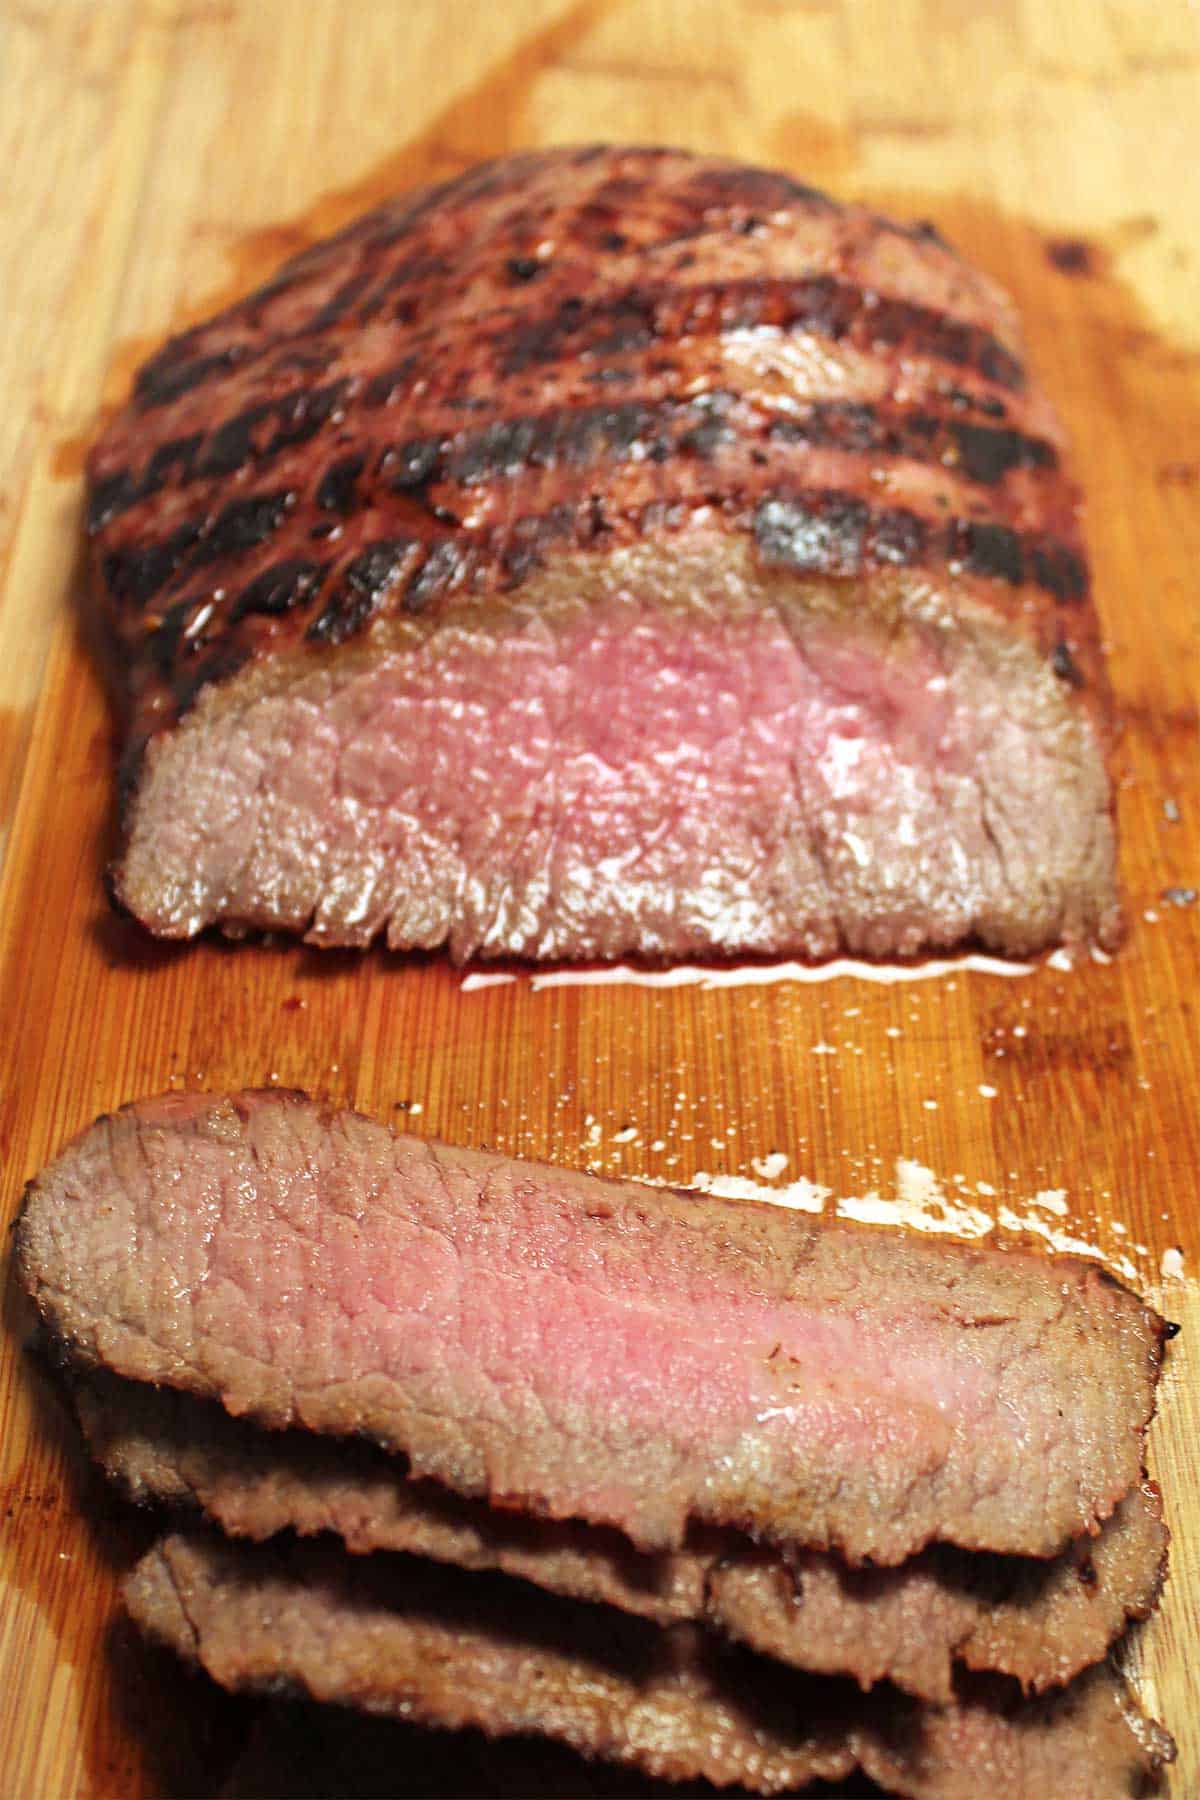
571, 351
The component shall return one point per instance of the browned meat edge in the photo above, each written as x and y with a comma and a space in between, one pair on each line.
1041, 1622
440, 1647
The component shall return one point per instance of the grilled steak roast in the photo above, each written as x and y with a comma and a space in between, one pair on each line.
1040, 1621
580, 1348
608, 551
406, 1639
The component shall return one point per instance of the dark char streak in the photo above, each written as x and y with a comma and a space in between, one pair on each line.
833, 533
637, 318
278, 589
363, 585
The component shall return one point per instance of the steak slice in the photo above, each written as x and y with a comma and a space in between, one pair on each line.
436, 1646
1041, 1621
609, 551
580, 1348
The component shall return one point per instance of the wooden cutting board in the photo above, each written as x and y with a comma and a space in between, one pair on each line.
161, 154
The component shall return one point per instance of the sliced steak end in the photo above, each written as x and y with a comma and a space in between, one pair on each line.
432, 1645
711, 584
590, 1349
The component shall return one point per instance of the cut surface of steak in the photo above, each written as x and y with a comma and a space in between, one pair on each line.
1039, 1620
610, 551
407, 1639
580, 1348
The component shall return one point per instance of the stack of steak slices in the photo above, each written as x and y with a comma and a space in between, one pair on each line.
713, 1490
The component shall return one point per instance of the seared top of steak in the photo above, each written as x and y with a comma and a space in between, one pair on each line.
574, 349
584, 1348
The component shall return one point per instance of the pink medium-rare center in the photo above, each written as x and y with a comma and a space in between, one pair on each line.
590, 1349
596, 778
523, 1311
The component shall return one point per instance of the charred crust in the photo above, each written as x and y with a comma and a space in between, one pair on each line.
409, 466
231, 444
390, 383
524, 268
899, 536
166, 641
987, 454
447, 566
987, 548
300, 415
243, 524
137, 573
108, 497
335, 491
187, 583
640, 317
360, 592
820, 534
116, 493
172, 373
832, 533
339, 303
224, 663
1065, 666
983, 453
278, 589
835, 534
530, 537
1059, 569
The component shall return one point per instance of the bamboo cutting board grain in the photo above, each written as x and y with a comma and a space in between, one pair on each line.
160, 154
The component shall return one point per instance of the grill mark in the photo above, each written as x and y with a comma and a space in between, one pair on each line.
813, 532
449, 565
831, 533
364, 584
166, 643
141, 570
638, 318
337, 306
823, 532
116, 493
834, 533
335, 492
279, 588
412, 465
569, 437
574, 436
635, 432
242, 525
983, 453
173, 373
136, 574
383, 388
295, 417
410, 271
